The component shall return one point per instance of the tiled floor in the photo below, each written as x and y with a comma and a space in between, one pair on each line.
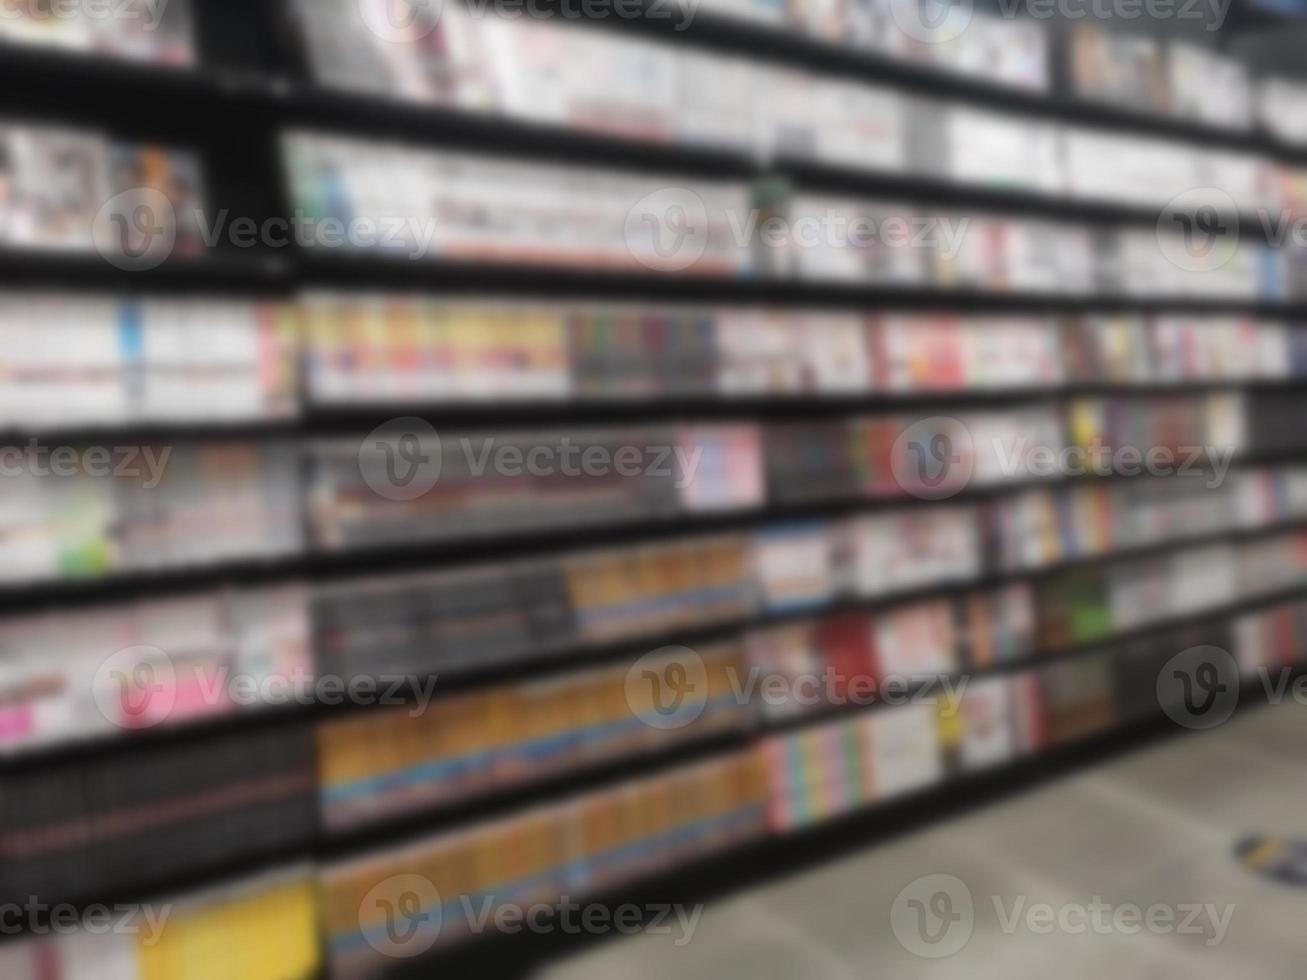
1155, 827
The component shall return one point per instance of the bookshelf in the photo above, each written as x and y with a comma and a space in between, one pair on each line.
253, 80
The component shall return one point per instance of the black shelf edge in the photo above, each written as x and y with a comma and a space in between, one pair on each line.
87, 271
119, 74
347, 420
277, 273
342, 271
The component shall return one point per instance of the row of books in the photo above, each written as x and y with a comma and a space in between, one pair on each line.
579, 847
258, 928
1041, 526
105, 361
588, 845
952, 249
1064, 609
103, 671
862, 656
823, 771
513, 66
108, 510
1269, 639
67, 190
408, 349
141, 30
144, 664
1091, 603
500, 484
102, 362
387, 763
79, 513
462, 207
496, 614
1006, 50
94, 827
1013, 51
78, 190
1135, 70
461, 487
1171, 77
937, 456
548, 71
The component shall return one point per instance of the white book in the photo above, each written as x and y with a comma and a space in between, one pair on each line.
905, 745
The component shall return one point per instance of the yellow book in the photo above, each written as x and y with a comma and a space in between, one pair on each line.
1085, 416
